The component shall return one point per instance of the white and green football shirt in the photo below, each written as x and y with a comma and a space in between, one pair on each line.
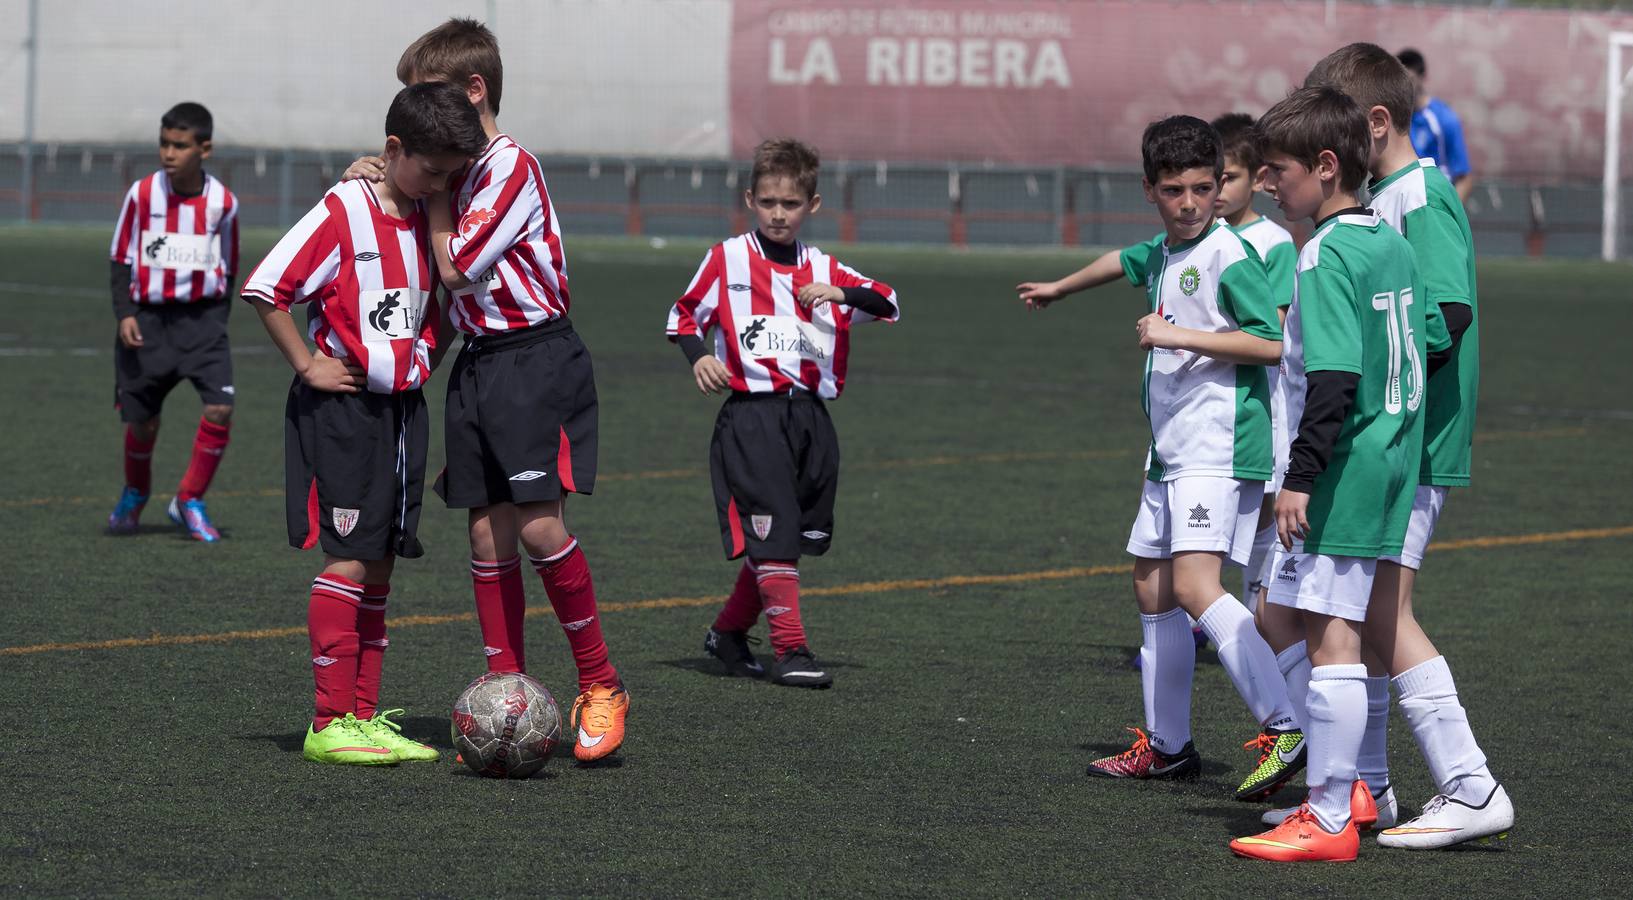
1422, 205
1275, 246
1208, 416
1356, 308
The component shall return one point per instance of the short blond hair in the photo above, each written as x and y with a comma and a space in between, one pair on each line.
454, 51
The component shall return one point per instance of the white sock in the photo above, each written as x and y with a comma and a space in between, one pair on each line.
1253, 575
1294, 663
1167, 662
1372, 766
1249, 663
1333, 730
1441, 727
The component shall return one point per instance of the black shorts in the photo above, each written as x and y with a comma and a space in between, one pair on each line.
775, 465
179, 340
354, 471
520, 419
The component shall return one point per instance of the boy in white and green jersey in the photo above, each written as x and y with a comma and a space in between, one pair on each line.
1243, 177
1353, 385
1211, 328
1417, 200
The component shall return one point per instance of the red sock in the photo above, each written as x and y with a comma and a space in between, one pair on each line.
138, 463
501, 603
742, 608
331, 623
779, 591
208, 445
372, 644
572, 595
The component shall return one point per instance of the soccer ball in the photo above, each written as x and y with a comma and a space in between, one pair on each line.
506, 725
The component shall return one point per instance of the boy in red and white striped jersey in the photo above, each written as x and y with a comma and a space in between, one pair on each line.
782, 312
520, 419
355, 431
174, 257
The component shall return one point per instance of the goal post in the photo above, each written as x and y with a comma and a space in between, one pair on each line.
1617, 72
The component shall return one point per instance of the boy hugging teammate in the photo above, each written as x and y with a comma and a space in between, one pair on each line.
782, 313
1211, 330
175, 255
521, 410
355, 431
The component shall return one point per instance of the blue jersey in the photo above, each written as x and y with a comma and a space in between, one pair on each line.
1438, 134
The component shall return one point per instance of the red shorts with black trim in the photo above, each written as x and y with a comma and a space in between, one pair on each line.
520, 418
774, 461
354, 471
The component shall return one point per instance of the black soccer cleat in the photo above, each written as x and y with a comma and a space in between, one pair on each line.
731, 648
798, 668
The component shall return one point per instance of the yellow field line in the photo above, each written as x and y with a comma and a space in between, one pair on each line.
842, 590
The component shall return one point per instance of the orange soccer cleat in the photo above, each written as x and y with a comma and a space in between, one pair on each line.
1300, 838
599, 714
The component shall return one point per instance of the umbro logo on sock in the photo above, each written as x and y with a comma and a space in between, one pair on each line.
324, 660
491, 651
580, 625
777, 610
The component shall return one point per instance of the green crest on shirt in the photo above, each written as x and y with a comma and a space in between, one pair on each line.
1190, 280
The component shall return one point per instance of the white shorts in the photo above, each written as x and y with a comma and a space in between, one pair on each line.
1201, 512
1427, 503
1338, 586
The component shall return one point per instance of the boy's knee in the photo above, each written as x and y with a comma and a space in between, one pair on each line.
145, 431
217, 413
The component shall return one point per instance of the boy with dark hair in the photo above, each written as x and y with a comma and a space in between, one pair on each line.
1437, 132
521, 413
1352, 381
782, 313
1211, 329
175, 255
1415, 199
355, 432
1243, 177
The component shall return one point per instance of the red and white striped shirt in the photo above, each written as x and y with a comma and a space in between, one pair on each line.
506, 244
180, 249
767, 340
371, 275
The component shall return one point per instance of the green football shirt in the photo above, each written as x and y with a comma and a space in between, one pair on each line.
1356, 309
1208, 416
1422, 205
1275, 247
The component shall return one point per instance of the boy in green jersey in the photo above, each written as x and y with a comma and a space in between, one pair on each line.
1418, 201
1353, 386
1211, 328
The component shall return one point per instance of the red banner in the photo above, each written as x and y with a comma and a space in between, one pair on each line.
1033, 82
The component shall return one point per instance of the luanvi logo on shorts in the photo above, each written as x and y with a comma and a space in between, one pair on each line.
1289, 570
529, 475
1199, 517
345, 520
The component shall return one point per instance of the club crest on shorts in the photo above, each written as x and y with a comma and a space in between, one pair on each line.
761, 526
345, 520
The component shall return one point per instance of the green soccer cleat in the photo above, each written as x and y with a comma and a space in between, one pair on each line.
343, 742
388, 734
1281, 756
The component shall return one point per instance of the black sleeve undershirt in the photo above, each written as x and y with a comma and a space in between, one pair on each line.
119, 284
1458, 316
1327, 401
692, 346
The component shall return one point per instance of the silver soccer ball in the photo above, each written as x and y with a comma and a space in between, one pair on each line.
506, 725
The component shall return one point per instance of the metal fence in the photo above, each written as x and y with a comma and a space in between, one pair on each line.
875, 202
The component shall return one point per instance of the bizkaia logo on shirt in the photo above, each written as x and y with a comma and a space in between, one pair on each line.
473, 220
786, 336
390, 315
186, 252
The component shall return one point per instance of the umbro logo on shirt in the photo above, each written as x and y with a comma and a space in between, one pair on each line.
738, 287
1199, 517
367, 256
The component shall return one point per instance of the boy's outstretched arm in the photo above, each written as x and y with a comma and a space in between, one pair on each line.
1231, 346
323, 373
1039, 294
